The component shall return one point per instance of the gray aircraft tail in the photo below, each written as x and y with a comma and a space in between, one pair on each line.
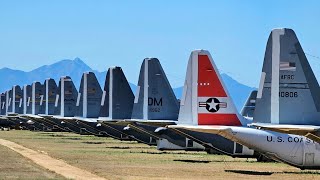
27, 99
3, 104
248, 108
288, 92
9, 101
50, 93
65, 103
37, 97
117, 97
154, 99
89, 96
17, 97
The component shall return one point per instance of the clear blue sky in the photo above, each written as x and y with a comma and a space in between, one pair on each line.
108, 33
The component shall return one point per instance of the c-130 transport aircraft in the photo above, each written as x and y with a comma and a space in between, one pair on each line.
288, 94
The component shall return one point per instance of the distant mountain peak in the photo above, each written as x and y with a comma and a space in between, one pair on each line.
77, 59
76, 67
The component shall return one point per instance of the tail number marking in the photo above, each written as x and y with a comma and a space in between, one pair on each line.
288, 94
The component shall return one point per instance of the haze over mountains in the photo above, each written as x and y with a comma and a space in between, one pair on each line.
75, 68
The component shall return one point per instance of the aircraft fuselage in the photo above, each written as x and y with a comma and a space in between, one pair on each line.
296, 150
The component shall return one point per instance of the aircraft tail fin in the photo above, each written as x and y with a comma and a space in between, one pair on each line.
248, 108
117, 97
37, 98
17, 100
9, 101
50, 92
288, 92
205, 100
3, 104
66, 97
27, 95
89, 96
154, 99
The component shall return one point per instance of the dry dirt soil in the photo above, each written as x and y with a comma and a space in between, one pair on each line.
113, 159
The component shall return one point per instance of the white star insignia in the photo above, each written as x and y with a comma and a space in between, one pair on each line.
213, 105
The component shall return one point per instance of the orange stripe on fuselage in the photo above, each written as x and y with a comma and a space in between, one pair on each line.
218, 119
209, 84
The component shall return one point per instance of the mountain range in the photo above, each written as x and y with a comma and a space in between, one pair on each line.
75, 68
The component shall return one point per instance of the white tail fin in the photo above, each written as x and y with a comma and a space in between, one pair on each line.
205, 100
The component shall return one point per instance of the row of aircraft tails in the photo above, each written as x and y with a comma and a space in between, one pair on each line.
280, 121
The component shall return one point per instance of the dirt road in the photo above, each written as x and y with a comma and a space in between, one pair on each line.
55, 165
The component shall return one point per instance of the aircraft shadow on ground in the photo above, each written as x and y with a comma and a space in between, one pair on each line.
119, 147
250, 172
191, 161
301, 172
92, 142
128, 147
270, 173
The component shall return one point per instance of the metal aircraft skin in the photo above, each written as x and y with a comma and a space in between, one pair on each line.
4, 120
59, 105
67, 105
33, 100
87, 106
250, 105
168, 139
116, 104
205, 102
15, 108
289, 94
154, 103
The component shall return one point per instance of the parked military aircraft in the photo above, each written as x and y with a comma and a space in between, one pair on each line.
205, 102
155, 103
288, 94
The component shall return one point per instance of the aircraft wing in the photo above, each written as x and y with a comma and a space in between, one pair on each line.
141, 130
63, 118
221, 130
31, 116
86, 119
126, 122
311, 132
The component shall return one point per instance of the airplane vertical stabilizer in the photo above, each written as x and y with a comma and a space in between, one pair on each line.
27, 102
154, 98
37, 98
89, 96
17, 105
9, 95
50, 92
288, 92
248, 108
66, 98
3, 104
117, 97
205, 100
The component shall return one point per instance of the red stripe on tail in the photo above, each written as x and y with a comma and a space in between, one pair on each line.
219, 119
209, 84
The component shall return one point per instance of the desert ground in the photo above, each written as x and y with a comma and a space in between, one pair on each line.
112, 159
